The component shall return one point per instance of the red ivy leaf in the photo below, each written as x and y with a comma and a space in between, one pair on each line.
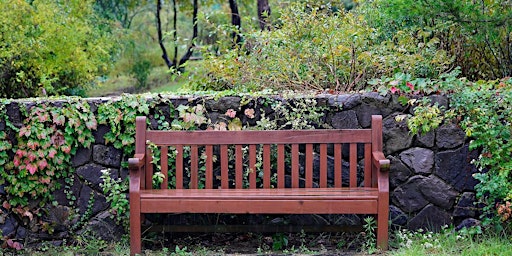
32, 168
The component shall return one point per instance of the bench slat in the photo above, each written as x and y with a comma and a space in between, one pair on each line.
148, 178
353, 165
224, 169
179, 166
367, 165
165, 166
295, 165
266, 166
244, 206
309, 165
323, 165
209, 166
258, 137
194, 166
252, 166
337, 165
280, 166
255, 194
239, 164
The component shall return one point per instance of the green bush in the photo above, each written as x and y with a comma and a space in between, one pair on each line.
475, 33
51, 47
315, 48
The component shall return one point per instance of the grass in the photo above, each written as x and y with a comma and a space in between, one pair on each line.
447, 242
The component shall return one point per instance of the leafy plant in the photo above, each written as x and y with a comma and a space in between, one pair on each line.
369, 227
120, 115
116, 194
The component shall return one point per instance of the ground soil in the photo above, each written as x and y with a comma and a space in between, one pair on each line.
261, 244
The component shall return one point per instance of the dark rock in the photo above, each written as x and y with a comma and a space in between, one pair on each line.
344, 120
408, 196
215, 117
466, 205
99, 202
454, 167
223, 104
12, 110
426, 140
441, 100
21, 233
375, 98
396, 135
8, 224
58, 217
398, 217
449, 136
61, 195
468, 223
365, 112
82, 156
2, 189
106, 155
438, 192
398, 172
346, 101
104, 227
92, 174
420, 160
431, 218
99, 134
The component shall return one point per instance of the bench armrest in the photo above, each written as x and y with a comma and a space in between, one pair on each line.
136, 162
380, 161
136, 165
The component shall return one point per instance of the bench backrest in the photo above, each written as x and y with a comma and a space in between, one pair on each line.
259, 159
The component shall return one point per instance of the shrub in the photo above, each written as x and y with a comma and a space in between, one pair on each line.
50, 48
319, 49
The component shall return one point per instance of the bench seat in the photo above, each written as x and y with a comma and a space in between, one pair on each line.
299, 201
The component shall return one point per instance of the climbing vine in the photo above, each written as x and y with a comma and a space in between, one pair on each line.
48, 138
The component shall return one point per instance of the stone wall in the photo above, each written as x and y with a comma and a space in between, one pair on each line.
431, 181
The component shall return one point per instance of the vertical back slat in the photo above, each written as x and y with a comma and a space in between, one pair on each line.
353, 165
280, 166
164, 163
295, 165
266, 166
323, 165
309, 165
252, 166
224, 165
194, 164
239, 165
367, 165
209, 166
148, 178
338, 166
179, 166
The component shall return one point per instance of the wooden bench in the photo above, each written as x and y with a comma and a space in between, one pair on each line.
244, 172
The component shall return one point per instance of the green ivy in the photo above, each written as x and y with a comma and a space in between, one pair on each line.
119, 115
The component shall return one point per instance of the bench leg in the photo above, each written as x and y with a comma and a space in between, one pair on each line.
135, 232
382, 230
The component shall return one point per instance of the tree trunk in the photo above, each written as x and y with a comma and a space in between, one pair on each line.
264, 15
160, 35
175, 31
235, 21
192, 45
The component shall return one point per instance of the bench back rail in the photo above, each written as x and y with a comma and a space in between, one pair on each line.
258, 159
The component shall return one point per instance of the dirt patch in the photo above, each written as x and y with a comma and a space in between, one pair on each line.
260, 244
